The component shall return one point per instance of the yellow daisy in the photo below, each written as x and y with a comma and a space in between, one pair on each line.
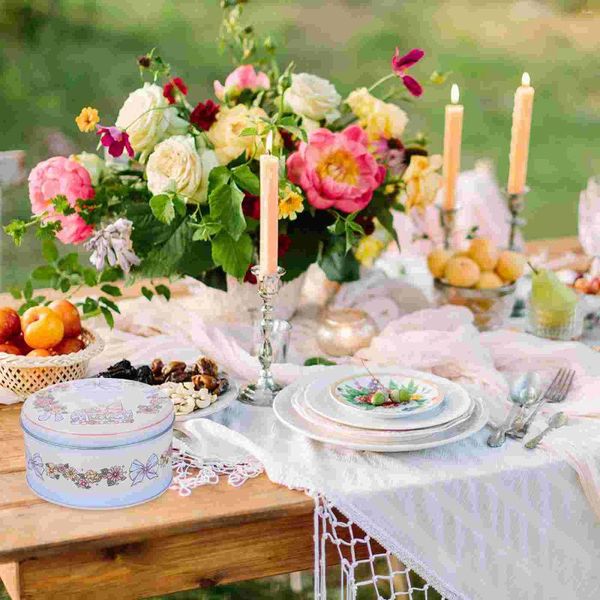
87, 119
290, 204
368, 250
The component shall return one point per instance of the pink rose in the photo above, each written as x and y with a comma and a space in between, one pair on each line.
242, 78
61, 176
336, 170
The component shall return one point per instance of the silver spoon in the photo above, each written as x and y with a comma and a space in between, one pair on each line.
558, 420
523, 391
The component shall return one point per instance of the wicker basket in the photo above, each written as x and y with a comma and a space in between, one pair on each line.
24, 375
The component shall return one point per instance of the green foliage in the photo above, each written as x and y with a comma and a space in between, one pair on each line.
233, 256
226, 207
338, 264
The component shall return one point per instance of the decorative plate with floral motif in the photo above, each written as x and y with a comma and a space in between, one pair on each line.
387, 396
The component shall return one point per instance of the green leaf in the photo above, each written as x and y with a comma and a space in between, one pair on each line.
246, 179
248, 131
16, 229
89, 306
386, 219
15, 292
180, 206
43, 273
62, 206
234, 256
49, 250
205, 230
111, 290
90, 277
28, 290
147, 293
109, 303
108, 316
163, 290
318, 360
226, 208
303, 251
163, 208
110, 274
338, 264
218, 176
64, 285
69, 263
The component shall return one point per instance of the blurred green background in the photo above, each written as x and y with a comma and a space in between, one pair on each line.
59, 55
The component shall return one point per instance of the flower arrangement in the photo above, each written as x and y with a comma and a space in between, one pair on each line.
177, 192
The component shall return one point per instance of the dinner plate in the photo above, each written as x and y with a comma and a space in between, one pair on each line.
221, 404
367, 435
415, 395
456, 402
288, 416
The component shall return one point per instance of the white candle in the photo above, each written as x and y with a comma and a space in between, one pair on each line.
521, 129
452, 144
269, 210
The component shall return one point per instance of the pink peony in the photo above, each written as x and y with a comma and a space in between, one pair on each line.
336, 170
242, 78
61, 176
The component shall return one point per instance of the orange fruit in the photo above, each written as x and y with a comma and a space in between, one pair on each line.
42, 327
69, 315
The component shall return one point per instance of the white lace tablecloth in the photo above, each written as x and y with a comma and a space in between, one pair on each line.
477, 523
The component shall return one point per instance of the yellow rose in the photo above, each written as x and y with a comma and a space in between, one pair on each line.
377, 118
225, 136
368, 250
422, 181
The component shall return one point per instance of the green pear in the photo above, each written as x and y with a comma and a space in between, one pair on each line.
553, 301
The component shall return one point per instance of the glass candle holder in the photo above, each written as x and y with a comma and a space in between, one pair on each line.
555, 324
344, 331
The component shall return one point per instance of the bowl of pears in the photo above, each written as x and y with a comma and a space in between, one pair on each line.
480, 277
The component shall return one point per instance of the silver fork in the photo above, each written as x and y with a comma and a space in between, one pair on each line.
556, 392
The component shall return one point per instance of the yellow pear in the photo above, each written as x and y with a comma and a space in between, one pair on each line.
462, 272
436, 261
489, 281
484, 253
511, 265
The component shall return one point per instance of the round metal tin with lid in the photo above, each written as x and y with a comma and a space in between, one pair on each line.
98, 443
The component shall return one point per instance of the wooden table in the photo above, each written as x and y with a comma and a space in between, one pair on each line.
219, 534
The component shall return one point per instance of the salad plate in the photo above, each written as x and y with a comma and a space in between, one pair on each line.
455, 402
387, 395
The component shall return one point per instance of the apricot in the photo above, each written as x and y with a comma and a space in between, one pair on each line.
511, 265
462, 272
42, 327
19, 342
69, 315
436, 261
489, 281
39, 352
69, 345
484, 253
10, 323
9, 349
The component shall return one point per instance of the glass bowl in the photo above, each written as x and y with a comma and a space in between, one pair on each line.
490, 308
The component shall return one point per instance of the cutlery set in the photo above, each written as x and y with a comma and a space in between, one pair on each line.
527, 402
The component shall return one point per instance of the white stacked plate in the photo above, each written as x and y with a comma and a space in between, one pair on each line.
337, 408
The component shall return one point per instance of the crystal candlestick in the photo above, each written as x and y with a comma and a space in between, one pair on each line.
448, 222
516, 203
263, 392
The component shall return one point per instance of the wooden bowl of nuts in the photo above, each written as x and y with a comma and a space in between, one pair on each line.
199, 389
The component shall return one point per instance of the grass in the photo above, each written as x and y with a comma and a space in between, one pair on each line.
59, 56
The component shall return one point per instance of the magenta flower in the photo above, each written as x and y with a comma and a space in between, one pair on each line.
242, 78
115, 140
336, 170
401, 64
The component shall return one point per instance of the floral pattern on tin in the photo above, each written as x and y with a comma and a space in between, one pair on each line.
156, 401
102, 415
48, 407
165, 457
86, 479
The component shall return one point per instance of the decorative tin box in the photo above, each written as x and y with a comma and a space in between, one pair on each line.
98, 443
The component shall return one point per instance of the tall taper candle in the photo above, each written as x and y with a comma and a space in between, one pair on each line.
269, 209
452, 143
519, 143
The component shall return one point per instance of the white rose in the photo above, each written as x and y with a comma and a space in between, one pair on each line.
147, 118
92, 163
313, 97
177, 166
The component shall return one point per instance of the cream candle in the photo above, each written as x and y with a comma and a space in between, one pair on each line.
452, 143
269, 209
519, 143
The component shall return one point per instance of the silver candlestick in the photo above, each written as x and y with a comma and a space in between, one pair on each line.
263, 392
448, 222
516, 202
